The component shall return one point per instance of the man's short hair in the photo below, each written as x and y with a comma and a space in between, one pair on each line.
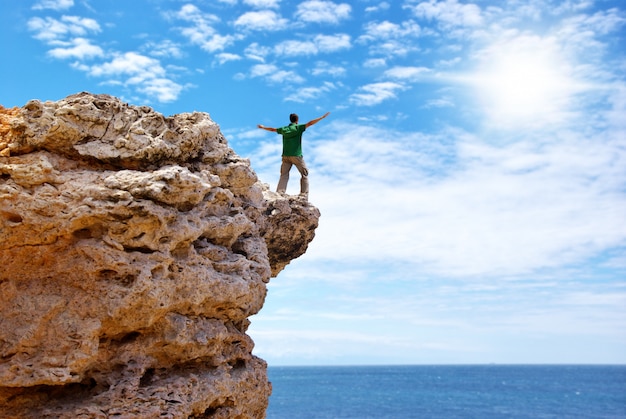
293, 117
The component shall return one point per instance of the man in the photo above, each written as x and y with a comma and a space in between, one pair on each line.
292, 152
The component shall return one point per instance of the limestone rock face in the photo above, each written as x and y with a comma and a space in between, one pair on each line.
133, 249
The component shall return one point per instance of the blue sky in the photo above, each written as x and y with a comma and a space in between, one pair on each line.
471, 175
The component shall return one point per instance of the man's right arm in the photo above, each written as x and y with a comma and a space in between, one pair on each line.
270, 129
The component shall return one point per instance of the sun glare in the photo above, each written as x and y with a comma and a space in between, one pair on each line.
519, 85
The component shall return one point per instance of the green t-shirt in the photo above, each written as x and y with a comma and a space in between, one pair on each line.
292, 139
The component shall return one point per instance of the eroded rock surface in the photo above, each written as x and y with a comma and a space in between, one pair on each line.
133, 249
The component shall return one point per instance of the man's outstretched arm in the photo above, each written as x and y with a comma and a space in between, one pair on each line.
266, 128
316, 120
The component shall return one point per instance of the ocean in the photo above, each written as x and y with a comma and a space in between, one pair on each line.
459, 391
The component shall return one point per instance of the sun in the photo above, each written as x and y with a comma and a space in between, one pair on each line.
523, 82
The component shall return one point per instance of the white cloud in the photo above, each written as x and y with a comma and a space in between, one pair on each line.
53, 4
165, 48
129, 63
78, 48
407, 73
453, 204
275, 75
294, 48
572, 6
257, 52
580, 32
261, 70
263, 20
375, 62
391, 39
373, 9
52, 30
449, 13
375, 31
226, 57
163, 89
202, 31
319, 44
263, 4
451, 62
375, 93
443, 102
81, 22
321, 11
323, 68
68, 38
192, 13
306, 94
284, 77
332, 43
142, 72
218, 42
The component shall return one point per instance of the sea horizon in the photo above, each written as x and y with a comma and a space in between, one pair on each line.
448, 390
449, 364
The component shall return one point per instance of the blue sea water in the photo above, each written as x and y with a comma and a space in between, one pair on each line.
467, 391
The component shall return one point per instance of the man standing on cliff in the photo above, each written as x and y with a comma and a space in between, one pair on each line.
292, 152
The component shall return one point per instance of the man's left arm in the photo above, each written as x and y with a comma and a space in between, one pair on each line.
316, 120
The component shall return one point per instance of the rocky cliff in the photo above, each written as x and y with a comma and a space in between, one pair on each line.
133, 249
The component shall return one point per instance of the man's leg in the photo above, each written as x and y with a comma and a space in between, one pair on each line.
285, 167
304, 173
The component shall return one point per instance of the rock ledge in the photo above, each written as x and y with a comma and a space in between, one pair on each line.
134, 247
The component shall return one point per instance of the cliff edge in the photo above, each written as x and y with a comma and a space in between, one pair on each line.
133, 249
